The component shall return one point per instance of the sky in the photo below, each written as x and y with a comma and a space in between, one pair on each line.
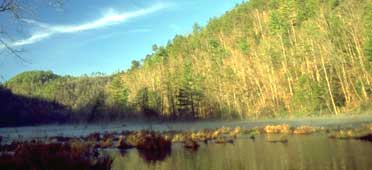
88, 36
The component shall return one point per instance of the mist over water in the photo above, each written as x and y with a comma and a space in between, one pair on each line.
77, 130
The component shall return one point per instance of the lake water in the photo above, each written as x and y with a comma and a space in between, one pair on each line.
302, 152
39, 132
310, 152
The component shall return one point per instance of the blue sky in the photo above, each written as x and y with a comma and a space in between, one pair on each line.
89, 36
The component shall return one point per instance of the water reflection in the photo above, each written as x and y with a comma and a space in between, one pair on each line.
300, 153
122, 152
153, 156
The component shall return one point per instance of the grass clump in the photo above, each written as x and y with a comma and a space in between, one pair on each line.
31, 156
270, 129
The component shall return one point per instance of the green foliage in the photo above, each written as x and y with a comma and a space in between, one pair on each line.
189, 93
148, 102
135, 65
218, 53
309, 96
255, 4
368, 27
307, 9
243, 46
368, 47
335, 3
276, 23
118, 91
83, 94
283, 16
30, 83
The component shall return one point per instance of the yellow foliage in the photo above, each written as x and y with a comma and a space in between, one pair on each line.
215, 134
178, 138
304, 130
234, 133
277, 128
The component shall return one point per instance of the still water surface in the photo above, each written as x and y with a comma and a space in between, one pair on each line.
300, 153
312, 152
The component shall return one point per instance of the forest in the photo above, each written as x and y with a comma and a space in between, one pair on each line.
262, 59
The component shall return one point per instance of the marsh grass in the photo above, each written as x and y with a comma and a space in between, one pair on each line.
31, 156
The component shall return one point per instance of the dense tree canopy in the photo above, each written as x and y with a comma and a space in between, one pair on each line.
84, 95
263, 58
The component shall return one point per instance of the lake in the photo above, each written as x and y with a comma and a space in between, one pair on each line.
301, 152
77, 130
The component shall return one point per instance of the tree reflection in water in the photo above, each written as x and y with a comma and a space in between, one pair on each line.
150, 156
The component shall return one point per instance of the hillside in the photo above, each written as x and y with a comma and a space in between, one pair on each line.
20, 110
278, 58
83, 97
263, 58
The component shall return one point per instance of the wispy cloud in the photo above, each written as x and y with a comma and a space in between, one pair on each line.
112, 34
111, 17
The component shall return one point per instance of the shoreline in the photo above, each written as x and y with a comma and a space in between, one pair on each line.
77, 130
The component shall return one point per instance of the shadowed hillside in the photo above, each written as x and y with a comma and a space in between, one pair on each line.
19, 110
84, 97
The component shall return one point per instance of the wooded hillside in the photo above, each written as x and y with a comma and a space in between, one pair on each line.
263, 58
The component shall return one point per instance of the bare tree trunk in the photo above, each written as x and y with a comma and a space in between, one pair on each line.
329, 86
